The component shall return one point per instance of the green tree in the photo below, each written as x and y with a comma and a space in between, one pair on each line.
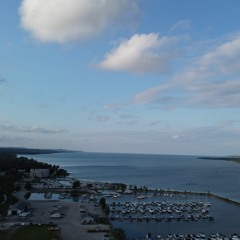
104, 206
28, 186
76, 184
119, 234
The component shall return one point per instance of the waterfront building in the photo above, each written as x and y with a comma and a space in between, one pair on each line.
39, 173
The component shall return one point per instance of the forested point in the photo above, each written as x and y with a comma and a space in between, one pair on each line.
14, 169
30, 151
10, 163
228, 158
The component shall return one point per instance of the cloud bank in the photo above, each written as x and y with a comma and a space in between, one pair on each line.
211, 80
6, 126
64, 21
181, 25
2, 79
140, 54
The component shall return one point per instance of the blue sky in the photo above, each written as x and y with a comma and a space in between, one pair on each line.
136, 76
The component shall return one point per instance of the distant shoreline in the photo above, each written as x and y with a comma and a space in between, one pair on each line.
32, 151
232, 159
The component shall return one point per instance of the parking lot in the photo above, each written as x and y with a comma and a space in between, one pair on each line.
68, 220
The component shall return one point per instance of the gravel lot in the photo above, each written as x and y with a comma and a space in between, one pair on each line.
69, 222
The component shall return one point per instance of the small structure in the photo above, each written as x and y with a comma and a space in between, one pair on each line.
24, 215
39, 173
18, 209
87, 220
55, 215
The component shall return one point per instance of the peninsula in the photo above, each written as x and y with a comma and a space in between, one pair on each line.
31, 151
227, 158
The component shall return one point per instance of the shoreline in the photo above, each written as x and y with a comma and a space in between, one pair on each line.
71, 221
71, 218
231, 159
112, 186
117, 185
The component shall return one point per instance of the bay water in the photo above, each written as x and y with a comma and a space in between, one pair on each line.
172, 172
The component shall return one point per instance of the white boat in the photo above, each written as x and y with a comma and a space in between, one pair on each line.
142, 210
141, 196
55, 215
148, 236
117, 195
64, 196
151, 211
48, 195
128, 191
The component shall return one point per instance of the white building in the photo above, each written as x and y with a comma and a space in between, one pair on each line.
87, 220
18, 209
39, 173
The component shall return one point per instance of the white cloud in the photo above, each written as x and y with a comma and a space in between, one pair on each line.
217, 94
181, 25
7, 126
2, 79
72, 20
128, 117
102, 118
149, 95
113, 107
210, 81
175, 136
212, 138
155, 123
225, 58
140, 54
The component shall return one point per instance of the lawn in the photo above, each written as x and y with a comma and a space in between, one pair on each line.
30, 233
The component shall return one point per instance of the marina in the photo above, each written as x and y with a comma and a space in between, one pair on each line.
162, 214
174, 216
201, 200
160, 211
200, 236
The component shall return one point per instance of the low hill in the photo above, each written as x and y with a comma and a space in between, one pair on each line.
30, 151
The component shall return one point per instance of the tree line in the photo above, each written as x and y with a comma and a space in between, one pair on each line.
10, 163
13, 168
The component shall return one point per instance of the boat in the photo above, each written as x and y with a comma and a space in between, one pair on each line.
128, 191
148, 236
48, 195
64, 196
151, 211
141, 196
116, 195
55, 215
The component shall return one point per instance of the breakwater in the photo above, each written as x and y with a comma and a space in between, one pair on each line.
185, 192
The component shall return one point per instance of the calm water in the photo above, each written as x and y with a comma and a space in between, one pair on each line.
154, 171
162, 171
226, 218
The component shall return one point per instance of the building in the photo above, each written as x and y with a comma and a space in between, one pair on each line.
39, 173
18, 209
87, 220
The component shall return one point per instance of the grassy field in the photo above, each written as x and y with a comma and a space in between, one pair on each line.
30, 233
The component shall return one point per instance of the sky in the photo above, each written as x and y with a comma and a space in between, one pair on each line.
125, 76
